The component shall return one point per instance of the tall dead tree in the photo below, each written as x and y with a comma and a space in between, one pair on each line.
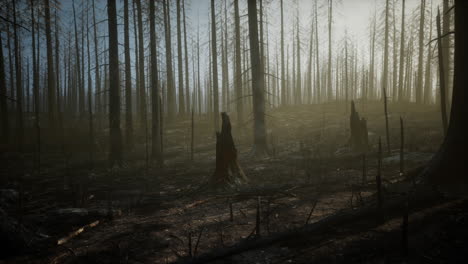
258, 83
402, 53
385, 75
448, 63
128, 81
187, 86
283, 77
442, 75
90, 100
238, 67
214, 56
155, 102
171, 100
77, 65
141, 67
4, 122
179, 63
19, 85
419, 86
97, 70
115, 136
317, 57
446, 165
329, 80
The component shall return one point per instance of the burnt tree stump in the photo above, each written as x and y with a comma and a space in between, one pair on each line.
228, 170
359, 140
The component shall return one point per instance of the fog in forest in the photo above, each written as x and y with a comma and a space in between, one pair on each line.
233, 131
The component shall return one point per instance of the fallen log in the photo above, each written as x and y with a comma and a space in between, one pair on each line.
421, 197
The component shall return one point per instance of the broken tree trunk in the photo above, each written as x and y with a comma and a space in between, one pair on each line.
359, 138
227, 169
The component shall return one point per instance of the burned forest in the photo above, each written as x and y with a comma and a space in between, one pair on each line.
233, 131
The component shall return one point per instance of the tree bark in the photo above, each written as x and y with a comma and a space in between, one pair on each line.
385, 76
238, 75
214, 55
187, 86
442, 76
179, 63
141, 66
419, 87
115, 154
258, 83
19, 86
155, 102
402, 53
171, 100
5, 123
128, 81
446, 166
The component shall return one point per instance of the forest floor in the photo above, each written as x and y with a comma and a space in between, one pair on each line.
163, 215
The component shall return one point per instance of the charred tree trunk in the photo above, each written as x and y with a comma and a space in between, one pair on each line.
419, 87
227, 169
283, 77
78, 68
442, 75
187, 86
446, 165
238, 75
359, 140
179, 63
97, 69
156, 127
3, 96
402, 53
115, 154
329, 80
214, 54
141, 66
171, 100
128, 82
385, 76
258, 84
19, 86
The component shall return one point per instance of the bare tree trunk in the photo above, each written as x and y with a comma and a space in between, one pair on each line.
330, 19
317, 57
19, 87
90, 100
445, 167
171, 100
395, 57
115, 154
428, 75
97, 69
214, 54
448, 63
5, 123
187, 86
419, 87
402, 53
258, 83
179, 64
128, 82
156, 116
385, 76
298, 94
283, 77
78, 69
141, 67
238, 69
442, 76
